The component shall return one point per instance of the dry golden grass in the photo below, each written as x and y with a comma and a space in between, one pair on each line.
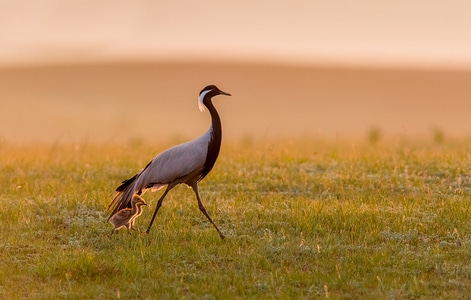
303, 219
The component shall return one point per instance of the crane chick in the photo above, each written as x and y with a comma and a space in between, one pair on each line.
127, 216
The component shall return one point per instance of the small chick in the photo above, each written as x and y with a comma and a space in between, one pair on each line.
141, 203
127, 216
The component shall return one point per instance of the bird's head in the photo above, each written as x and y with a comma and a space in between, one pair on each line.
207, 93
138, 200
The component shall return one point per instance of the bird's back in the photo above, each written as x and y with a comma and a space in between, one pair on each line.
176, 164
121, 218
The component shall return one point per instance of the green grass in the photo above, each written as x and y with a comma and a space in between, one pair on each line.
304, 219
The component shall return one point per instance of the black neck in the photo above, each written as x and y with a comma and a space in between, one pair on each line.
215, 140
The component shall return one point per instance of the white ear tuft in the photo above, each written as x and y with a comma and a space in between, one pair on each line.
201, 106
200, 100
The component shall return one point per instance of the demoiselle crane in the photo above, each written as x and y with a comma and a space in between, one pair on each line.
127, 216
186, 163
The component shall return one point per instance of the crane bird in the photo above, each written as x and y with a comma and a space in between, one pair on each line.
127, 216
186, 163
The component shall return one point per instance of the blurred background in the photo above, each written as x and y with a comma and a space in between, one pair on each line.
113, 71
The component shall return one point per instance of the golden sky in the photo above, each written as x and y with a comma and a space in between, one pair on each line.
400, 32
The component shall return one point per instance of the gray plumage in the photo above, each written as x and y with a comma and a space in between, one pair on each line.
186, 163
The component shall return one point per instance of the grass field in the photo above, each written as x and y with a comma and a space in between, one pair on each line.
304, 219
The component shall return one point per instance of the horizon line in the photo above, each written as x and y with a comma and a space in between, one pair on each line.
232, 60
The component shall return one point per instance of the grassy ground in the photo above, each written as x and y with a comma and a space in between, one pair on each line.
304, 219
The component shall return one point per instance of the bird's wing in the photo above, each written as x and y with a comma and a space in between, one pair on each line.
168, 167
176, 162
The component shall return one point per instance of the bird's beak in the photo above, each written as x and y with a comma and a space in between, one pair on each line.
224, 93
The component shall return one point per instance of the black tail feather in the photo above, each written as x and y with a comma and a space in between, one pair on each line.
122, 199
125, 183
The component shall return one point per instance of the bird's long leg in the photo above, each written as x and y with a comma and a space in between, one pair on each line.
203, 210
159, 204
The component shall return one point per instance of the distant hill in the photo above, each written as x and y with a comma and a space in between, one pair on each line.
158, 101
